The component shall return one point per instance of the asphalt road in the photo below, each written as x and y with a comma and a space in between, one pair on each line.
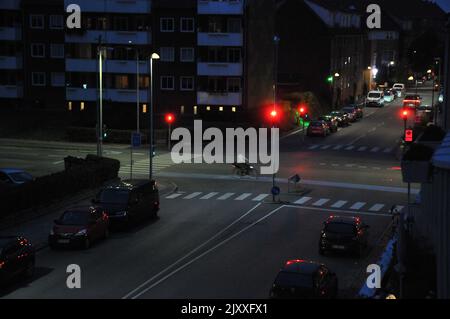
219, 236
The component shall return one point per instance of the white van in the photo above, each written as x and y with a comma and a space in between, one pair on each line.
375, 98
400, 88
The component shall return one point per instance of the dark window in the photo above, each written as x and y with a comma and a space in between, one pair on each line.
113, 196
187, 24
340, 228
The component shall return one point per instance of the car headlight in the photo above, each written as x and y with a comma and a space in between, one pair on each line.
82, 232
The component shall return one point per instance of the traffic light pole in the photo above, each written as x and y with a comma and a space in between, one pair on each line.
100, 100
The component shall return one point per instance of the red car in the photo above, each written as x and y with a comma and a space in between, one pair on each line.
79, 227
412, 101
318, 128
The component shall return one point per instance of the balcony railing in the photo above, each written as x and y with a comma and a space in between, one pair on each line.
109, 95
11, 91
212, 98
110, 66
113, 6
111, 37
10, 33
219, 69
228, 7
220, 39
10, 63
10, 5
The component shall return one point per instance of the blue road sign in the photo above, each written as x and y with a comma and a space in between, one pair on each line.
276, 191
136, 140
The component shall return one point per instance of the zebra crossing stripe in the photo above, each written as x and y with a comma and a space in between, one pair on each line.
388, 150
376, 207
325, 147
337, 147
313, 147
243, 196
173, 196
260, 197
193, 195
209, 196
303, 200
321, 202
225, 196
358, 205
349, 148
375, 149
339, 204
362, 149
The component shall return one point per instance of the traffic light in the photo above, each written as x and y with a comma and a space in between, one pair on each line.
330, 79
169, 118
405, 114
105, 131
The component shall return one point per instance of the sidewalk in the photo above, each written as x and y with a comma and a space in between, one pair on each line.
36, 224
58, 145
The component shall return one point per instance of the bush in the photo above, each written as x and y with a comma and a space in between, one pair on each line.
80, 174
418, 152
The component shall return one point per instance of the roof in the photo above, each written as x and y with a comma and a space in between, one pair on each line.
301, 267
129, 184
441, 157
343, 219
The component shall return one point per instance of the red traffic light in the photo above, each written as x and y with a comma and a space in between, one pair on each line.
409, 136
170, 118
405, 114
302, 110
273, 114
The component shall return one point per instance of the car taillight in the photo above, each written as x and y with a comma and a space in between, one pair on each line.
2, 263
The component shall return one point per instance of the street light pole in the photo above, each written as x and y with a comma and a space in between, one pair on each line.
137, 93
100, 102
153, 56
276, 40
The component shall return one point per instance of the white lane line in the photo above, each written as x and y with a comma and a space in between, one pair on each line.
375, 149
173, 196
358, 205
362, 148
335, 165
303, 200
58, 162
339, 204
376, 207
243, 196
191, 252
338, 147
321, 202
193, 195
325, 147
350, 165
209, 196
260, 197
362, 167
313, 147
349, 148
387, 150
323, 164
225, 196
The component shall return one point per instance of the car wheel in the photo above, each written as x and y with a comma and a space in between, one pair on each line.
29, 270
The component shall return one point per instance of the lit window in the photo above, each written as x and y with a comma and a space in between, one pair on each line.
233, 109
182, 109
144, 108
195, 109
82, 106
221, 108
208, 108
69, 105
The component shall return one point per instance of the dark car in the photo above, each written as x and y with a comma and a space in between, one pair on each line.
351, 112
341, 117
330, 121
304, 279
318, 128
79, 227
17, 258
345, 234
14, 177
129, 201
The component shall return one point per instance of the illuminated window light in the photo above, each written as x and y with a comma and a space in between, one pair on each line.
144, 108
195, 109
233, 109
208, 108
82, 106
69, 106
221, 108
182, 109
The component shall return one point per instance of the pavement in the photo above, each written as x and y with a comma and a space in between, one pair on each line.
221, 236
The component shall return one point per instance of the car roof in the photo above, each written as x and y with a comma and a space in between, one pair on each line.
5, 240
129, 185
352, 220
80, 209
301, 267
11, 170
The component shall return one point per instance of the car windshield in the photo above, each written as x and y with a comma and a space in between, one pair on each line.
21, 177
316, 124
76, 218
340, 228
348, 109
291, 279
114, 196
411, 97
374, 95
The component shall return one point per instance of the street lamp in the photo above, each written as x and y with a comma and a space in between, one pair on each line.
154, 56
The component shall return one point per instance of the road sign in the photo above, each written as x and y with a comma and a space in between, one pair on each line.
276, 191
409, 136
136, 140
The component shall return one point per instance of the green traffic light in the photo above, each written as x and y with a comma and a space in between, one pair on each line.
330, 79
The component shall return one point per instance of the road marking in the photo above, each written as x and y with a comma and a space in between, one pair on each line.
225, 196
191, 252
339, 204
335, 165
303, 200
209, 196
362, 148
388, 150
338, 147
243, 196
58, 162
350, 165
338, 211
260, 197
375, 149
325, 147
376, 208
173, 196
358, 205
321, 202
313, 147
349, 148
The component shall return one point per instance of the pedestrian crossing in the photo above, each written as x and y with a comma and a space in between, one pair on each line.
352, 148
142, 167
303, 201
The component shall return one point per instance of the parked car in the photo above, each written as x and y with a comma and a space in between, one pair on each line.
342, 118
400, 88
345, 234
424, 115
304, 279
351, 113
331, 122
17, 258
14, 177
79, 227
375, 98
129, 201
412, 101
318, 128
358, 110
388, 96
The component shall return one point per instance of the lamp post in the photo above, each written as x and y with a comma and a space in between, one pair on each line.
154, 56
276, 41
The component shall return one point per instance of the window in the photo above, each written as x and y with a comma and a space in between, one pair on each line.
56, 22
187, 54
167, 25
37, 50
195, 109
187, 24
234, 55
121, 23
69, 105
57, 50
234, 25
167, 54
121, 82
38, 79
167, 83
186, 83
36, 21
82, 106
58, 79
234, 85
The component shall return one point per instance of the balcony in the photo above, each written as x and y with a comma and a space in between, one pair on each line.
10, 63
228, 7
219, 69
113, 6
10, 92
10, 33
110, 66
9, 5
220, 39
109, 95
209, 98
111, 37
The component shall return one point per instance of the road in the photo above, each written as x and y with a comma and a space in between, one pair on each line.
220, 236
